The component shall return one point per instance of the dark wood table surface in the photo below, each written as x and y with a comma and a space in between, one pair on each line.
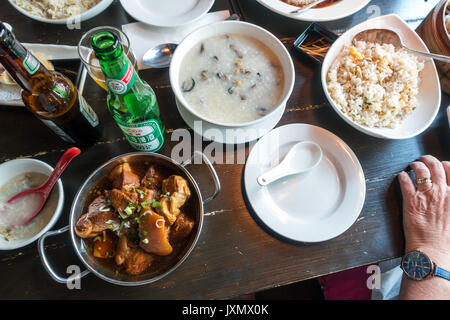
235, 254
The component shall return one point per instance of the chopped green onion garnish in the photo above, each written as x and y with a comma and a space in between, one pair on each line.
146, 203
128, 211
156, 204
121, 214
122, 223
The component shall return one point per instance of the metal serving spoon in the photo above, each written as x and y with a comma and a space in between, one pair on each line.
305, 8
159, 56
302, 157
391, 37
40, 194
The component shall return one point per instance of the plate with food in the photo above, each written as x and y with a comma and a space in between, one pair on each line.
135, 219
327, 10
172, 13
381, 90
61, 11
308, 207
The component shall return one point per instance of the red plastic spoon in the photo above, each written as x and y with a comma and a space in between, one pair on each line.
38, 196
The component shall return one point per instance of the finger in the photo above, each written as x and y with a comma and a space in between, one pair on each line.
437, 173
446, 165
406, 184
421, 171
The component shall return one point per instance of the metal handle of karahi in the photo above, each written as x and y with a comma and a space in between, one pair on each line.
46, 263
211, 169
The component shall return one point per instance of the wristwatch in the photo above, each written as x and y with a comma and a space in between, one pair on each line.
418, 266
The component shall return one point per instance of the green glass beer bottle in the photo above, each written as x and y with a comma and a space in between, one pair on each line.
131, 101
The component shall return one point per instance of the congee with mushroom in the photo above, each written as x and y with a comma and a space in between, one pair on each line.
232, 78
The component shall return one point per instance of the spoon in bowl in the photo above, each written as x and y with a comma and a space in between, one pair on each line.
24, 206
302, 157
391, 37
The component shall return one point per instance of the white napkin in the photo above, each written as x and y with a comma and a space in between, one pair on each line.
144, 37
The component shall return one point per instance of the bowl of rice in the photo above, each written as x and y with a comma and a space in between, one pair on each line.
381, 90
60, 11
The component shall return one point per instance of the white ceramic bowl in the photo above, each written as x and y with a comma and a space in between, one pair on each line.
88, 14
13, 168
429, 97
225, 130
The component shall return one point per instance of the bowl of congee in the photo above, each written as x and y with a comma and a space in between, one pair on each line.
232, 75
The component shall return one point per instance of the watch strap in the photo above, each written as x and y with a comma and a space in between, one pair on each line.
440, 272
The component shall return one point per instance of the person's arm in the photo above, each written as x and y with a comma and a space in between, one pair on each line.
426, 222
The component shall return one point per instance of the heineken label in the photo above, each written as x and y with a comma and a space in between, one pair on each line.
143, 136
31, 64
124, 81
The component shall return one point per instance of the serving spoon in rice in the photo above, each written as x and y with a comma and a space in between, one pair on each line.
391, 37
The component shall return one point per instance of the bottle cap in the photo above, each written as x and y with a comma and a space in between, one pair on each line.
6, 33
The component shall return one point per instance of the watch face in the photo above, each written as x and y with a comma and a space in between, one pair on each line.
417, 265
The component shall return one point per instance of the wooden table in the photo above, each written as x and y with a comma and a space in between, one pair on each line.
234, 254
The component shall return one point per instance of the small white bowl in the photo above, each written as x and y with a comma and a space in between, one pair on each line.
13, 168
268, 121
88, 14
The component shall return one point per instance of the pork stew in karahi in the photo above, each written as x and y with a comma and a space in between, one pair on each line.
136, 218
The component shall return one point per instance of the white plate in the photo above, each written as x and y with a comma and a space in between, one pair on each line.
336, 11
311, 207
88, 14
429, 97
170, 13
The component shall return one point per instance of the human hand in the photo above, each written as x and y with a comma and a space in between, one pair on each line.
426, 209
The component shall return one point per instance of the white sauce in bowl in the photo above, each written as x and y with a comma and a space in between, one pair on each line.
232, 78
12, 213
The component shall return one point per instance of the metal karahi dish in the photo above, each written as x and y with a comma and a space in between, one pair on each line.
78, 206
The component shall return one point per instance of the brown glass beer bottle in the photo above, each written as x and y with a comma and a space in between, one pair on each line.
48, 94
